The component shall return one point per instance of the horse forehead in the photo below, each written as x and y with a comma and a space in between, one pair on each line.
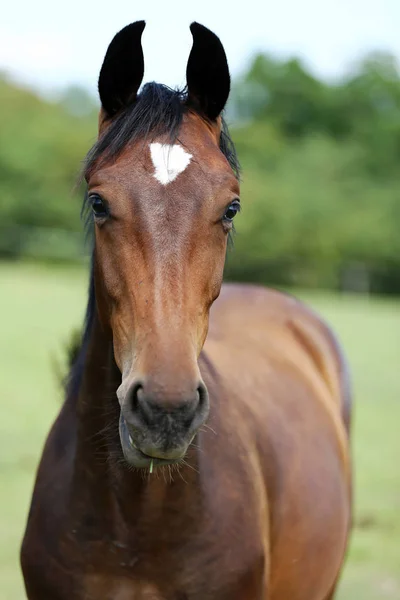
191, 164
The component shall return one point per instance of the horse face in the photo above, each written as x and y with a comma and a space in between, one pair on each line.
163, 208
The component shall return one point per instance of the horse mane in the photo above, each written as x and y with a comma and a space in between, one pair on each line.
157, 111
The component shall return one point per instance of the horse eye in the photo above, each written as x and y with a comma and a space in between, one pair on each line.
98, 206
232, 211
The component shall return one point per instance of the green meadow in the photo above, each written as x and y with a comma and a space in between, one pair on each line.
40, 306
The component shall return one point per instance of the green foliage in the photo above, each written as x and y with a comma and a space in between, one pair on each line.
41, 149
309, 210
320, 184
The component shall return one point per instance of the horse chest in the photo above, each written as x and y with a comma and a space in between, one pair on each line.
116, 573
101, 587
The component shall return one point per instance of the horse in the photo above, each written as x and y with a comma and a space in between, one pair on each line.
203, 448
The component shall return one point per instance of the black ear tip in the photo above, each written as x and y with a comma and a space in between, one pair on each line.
198, 29
204, 37
140, 25
137, 27
128, 34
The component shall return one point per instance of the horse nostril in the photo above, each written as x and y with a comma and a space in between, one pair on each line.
134, 392
202, 396
145, 407
202, 407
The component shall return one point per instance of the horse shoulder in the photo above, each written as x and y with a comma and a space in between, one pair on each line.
49, 506
288, 396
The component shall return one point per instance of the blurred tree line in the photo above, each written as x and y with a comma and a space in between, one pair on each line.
320, 188
321, 175
42, 145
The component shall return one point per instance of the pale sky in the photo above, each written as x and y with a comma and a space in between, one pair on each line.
49, 44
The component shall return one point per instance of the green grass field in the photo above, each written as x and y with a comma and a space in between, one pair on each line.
39, 306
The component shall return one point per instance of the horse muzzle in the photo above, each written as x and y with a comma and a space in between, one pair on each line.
156, 428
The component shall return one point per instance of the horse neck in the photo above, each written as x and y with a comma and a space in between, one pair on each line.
100, 467
97, 408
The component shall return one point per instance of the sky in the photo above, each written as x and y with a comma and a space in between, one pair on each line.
48, 44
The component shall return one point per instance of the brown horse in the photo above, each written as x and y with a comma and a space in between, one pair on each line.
199, 455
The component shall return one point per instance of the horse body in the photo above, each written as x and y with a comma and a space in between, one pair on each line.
263, 516
246, 426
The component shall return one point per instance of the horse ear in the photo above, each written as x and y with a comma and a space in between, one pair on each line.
207, 72
123, 69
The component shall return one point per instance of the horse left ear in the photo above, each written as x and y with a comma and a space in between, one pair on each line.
207, 73
123, 69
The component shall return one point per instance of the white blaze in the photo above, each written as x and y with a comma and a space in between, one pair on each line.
169, 161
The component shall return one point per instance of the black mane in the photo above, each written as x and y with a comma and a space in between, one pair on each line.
157, 111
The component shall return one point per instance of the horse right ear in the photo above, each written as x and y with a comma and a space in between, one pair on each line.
207, 73
123, 69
